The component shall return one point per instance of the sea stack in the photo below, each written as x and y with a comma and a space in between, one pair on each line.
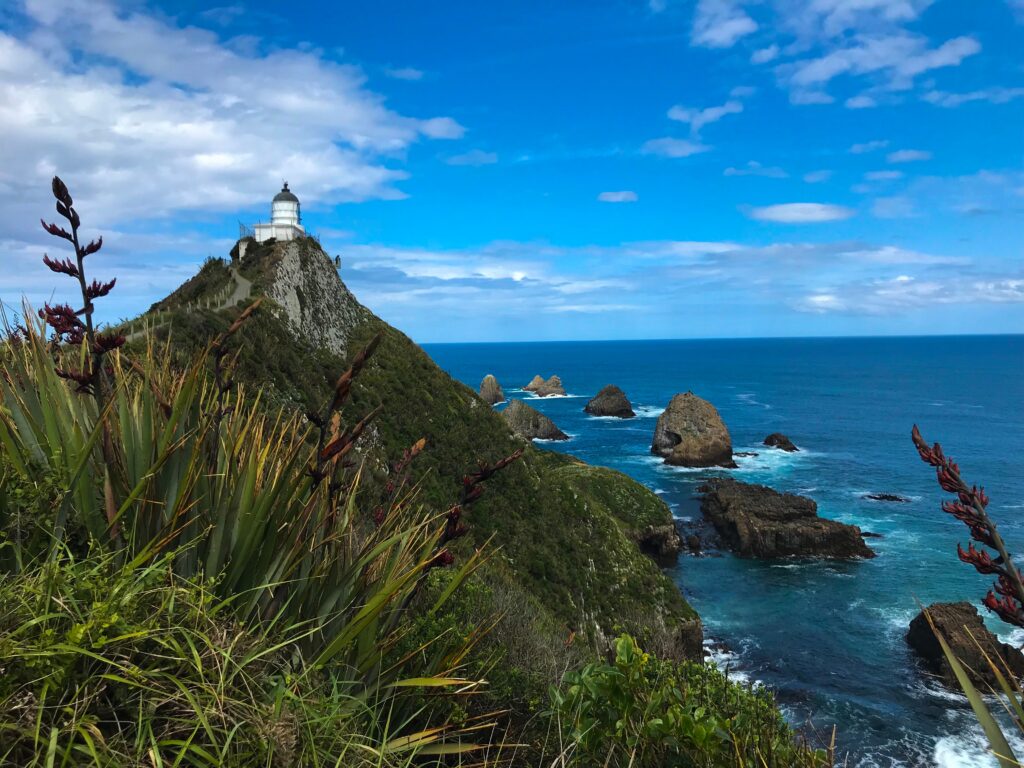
490, 390
690, 433
780, 441
535, 383
530, 423
610, 401
759, 522
542, 388
962, 628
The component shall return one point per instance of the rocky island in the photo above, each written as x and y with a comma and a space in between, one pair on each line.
531, 424
542, 388
690, 433
759, 522
963, 629
780, 441
610, 401
490, 390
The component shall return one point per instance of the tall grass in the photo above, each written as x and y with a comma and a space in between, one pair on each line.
260, 564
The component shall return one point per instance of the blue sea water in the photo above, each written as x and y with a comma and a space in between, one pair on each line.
828, 637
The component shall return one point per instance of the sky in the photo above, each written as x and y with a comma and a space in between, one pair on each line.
539, 171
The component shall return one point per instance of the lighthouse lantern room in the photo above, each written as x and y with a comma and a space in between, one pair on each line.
285, 218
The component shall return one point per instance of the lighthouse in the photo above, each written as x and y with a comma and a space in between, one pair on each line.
285, 218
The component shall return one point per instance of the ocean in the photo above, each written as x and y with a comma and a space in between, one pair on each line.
827, 637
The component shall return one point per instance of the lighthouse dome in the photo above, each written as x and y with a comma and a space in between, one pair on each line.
285, 195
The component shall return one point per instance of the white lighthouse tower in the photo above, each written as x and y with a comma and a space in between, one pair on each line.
285, 218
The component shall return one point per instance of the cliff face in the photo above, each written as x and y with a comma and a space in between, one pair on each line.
566, 536
303, 281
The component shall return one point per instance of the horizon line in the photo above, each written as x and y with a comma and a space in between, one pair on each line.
743, 338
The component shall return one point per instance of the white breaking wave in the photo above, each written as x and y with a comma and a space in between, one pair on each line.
726, 660
750, 398
648, 411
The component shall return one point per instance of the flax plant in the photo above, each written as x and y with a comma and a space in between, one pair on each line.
153, 463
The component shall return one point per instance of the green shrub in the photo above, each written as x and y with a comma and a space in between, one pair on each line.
639, 711
102, 664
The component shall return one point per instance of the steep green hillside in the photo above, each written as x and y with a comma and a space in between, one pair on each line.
565, 552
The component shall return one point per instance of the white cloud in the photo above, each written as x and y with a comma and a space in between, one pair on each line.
625, 196
908, 156
868, 146
671, 147
817, 177
899, 57
994, 95
144, 118
720, 23
903, 293
404, 73
801, 213
860, 102
526, 281
698, 118
474, 157
754, 168
764, 55
883, 175
815, 19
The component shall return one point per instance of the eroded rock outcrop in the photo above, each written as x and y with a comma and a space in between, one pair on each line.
536, 382
530, 423
303, 281
542, 388
756, 521
780, 441
661, 542
610, 401
490, 390
690, 433
961, 625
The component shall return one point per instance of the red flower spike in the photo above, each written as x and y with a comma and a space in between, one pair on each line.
948, 481
92, 247
108, 342
981, 497
979, 558
64, 320
61, 266
97, 289
56, 231
1006, 609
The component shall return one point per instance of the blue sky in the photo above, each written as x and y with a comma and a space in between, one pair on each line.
572, 170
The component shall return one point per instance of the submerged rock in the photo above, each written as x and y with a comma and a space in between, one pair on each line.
610, 401
690, 433
756, 521
961, 625
886, 497
530, 423
490, 390
780, 441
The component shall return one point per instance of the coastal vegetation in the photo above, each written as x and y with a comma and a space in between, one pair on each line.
225, 545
